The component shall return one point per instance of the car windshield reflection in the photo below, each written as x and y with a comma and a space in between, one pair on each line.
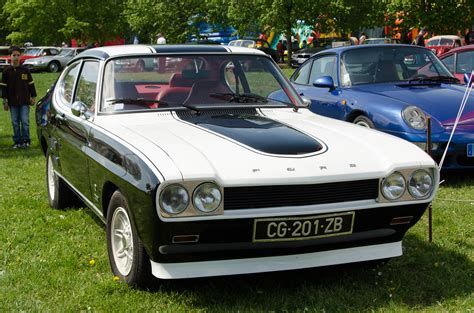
171, 82
390, 64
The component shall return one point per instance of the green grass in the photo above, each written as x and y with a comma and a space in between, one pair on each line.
46, 259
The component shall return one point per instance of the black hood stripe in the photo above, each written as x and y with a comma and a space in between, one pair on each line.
258, 132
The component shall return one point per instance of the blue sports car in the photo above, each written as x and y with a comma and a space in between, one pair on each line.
392, 88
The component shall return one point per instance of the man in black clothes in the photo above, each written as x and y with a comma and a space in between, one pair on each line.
18, 93
420, 39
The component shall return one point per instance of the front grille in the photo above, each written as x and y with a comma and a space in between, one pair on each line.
236, 198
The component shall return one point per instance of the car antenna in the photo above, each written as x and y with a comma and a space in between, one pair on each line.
458, 117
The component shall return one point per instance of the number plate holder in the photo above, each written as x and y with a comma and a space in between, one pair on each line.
470, 150
302, 227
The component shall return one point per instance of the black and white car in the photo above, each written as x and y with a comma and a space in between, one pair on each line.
197, 171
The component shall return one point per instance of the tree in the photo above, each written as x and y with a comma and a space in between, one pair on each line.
174, 18
439, 16
52, 21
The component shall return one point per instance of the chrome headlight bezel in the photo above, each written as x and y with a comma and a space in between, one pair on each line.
412, 185
408, 174
386, 185
414, 117
193, 208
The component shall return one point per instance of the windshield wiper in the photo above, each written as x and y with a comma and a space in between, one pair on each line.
239, 97
435, 79
142, 101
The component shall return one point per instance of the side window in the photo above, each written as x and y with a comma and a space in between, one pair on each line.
54, 52
449, 62
465, 62
87, 85
324, 66
66, 85
301, 77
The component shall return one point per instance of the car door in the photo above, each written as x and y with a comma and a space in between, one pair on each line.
73, 131
324, 101
464, 63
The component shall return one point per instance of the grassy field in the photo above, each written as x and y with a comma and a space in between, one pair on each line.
57, 260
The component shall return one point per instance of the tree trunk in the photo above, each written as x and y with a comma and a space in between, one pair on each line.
289, 44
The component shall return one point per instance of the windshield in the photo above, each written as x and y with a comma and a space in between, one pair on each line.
440, 42
32, 52
164, 82
389, 64
66, 52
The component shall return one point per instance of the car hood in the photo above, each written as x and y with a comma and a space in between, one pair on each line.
270, 146
441, 101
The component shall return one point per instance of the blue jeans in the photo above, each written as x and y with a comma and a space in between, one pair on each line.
20, 116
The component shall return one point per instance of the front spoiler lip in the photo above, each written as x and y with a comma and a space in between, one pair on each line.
275, 263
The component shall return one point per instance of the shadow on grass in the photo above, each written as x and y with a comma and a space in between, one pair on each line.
454, 178
6, 152
425, 275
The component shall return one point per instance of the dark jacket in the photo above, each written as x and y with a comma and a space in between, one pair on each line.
17, 85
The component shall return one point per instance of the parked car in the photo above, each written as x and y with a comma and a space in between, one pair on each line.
444, 43
392, 88
459, 61
30, 53
200, 172
53, 63
378, 41
317, 45
259, 44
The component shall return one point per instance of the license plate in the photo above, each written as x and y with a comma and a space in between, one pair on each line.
302, 228
470, 150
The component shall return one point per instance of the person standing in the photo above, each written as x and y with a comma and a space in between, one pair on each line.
161, 40
18, 93
362, 38
420, 39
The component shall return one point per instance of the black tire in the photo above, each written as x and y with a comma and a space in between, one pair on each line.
54, 67
60, 196
127, 256
364, 121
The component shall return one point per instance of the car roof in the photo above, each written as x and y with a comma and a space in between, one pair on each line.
43, 47
453, 37
124, 50
340, 50
459, 49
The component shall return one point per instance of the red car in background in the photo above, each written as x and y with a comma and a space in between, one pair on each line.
29, 53
459, 61
444, 43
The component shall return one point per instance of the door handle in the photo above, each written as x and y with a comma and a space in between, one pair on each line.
60, 117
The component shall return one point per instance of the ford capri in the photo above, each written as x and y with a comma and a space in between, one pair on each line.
209, 163
394, 89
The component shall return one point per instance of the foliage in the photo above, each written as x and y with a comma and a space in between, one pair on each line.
173, 18
441, 17
52, 21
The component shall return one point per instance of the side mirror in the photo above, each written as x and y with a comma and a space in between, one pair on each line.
79, 109
467, 77
306, 103
324, 82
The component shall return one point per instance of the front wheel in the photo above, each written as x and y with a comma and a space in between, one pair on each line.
60, 196
127, 256
364, 121
53, 67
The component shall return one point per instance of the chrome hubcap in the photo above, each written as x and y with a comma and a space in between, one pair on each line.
363, 124
122, 241
51, 179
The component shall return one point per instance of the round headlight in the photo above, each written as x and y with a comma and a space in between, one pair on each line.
174, 199
420, 184
207, 197
414, 117
393, 186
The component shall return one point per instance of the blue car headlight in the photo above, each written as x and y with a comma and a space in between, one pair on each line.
414, 117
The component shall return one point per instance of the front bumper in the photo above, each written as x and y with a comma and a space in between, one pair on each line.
228, 243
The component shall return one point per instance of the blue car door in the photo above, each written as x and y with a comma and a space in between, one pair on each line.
324, 101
